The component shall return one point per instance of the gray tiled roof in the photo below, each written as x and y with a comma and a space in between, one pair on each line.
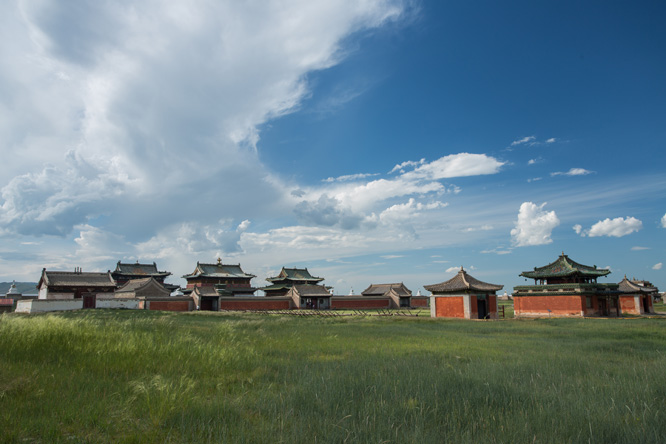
462, 282
138, 284
382, 289
627, 286
307, 290
139, 269
76, 278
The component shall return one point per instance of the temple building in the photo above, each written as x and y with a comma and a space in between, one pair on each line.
399, 294
566, 288
463, 296
212, 281
310, 296
75, 285
287, 278
127, 272
637, 296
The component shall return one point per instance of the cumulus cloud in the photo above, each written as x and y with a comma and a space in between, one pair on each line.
573, 172
551, 140
663, 221
617, 227
534, 225
578, 228
657, 266
119, 86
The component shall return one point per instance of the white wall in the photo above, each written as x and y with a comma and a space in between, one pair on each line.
40, 306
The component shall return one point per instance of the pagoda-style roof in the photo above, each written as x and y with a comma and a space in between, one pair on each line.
633, 286
138, 269
219, 270
382, 289
462, 282
295, 274
76, 278
565, 267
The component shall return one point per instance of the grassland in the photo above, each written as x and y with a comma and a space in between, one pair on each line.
148, 377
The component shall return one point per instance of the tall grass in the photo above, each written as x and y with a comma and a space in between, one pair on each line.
143, 377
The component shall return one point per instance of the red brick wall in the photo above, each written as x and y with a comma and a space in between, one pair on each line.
628, 305
449, 307
259, 304
419, 302
169, 306
558, 305
360, 303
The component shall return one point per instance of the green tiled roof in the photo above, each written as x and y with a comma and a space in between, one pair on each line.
563, 267
294, 274
218, 270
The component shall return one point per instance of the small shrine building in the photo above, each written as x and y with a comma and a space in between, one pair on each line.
463, 296
566, 288
399, 294
636, 296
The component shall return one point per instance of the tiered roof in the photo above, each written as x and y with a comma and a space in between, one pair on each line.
218, 270
462, 282
565, 267
295, 274
139, 270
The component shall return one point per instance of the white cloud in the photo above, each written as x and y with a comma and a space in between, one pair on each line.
617, 227
663, 221
534, 225
551, 140
578, 228
522, 141
573, 172
350, 177
657, 266
409, 163
639, 248
119, 87
452, 269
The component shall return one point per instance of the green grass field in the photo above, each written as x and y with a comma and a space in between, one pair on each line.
102, 376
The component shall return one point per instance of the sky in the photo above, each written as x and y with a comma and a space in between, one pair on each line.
371, 141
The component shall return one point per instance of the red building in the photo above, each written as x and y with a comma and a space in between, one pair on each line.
637, 296
465, 297
566, 288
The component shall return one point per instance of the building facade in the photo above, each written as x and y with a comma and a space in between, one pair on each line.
224, 279
465, 297
566, 288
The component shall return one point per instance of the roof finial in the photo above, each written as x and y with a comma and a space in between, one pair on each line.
219, 261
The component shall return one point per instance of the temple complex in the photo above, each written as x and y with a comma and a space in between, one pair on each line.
463, 296
566, 288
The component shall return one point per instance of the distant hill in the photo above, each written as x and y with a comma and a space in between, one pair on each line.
22, 287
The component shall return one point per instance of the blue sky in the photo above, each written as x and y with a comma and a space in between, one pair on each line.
377, 141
